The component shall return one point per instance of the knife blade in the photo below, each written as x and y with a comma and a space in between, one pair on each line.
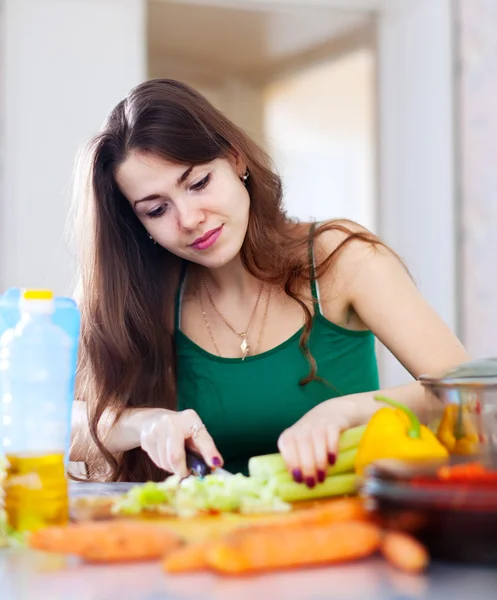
199, 468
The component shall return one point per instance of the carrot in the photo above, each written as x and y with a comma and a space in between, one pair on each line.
321, 512
187, 558
276, 548
332, 511
115, 541
404, 552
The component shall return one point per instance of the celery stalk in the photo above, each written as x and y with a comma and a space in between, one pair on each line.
337, 485
350, 438
270, 464
344, 464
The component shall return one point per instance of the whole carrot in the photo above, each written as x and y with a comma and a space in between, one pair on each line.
297, 546
404, 552
115, 541
323, 512
187, 558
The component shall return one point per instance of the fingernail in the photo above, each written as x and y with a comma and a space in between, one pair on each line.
321, 476
310, 482
297, 475
332, 458
216, 461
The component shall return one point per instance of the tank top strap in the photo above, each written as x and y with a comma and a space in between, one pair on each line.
312, 269
179, 296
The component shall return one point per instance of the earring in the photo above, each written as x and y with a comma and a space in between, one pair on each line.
245, 176
152, 239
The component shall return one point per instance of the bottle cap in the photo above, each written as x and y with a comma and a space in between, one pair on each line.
37, 302
37, 295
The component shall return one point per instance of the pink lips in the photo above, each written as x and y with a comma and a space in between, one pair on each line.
207, 240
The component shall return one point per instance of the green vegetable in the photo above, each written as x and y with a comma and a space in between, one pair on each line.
271, 464
344, 464
148, 496
191, 496
337, 485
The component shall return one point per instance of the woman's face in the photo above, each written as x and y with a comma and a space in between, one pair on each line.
199, 213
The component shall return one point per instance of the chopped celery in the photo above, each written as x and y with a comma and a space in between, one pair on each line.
143, 497
192, 496
337, 485
270, 464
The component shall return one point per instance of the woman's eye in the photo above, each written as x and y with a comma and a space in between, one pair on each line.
157, 212
200, 185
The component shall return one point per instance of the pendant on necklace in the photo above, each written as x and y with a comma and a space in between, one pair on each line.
244, 347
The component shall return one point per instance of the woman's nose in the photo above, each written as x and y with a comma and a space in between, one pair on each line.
190, 217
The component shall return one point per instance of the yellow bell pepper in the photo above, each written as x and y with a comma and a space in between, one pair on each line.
395, 432
457, 432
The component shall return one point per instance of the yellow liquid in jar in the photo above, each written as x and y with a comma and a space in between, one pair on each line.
36, 491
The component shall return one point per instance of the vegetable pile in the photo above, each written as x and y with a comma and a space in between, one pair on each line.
330, 532
268, 489
212, 494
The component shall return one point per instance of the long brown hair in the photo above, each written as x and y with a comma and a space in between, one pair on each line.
128, 284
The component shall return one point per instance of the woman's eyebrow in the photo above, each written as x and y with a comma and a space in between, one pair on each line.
181, 179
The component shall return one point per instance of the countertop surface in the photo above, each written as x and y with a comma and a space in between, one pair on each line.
29, 575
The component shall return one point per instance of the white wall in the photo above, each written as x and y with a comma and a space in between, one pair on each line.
417, 204
66, 63
477, 120
319, 126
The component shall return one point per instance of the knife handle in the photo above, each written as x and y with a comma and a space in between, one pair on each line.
197, 464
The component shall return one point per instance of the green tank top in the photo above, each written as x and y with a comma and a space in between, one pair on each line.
247, 404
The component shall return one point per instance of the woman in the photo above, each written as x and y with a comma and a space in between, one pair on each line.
210, 319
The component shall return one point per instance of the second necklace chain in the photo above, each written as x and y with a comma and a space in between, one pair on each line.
244, 345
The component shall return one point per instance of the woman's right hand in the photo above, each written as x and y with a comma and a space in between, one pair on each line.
165, 434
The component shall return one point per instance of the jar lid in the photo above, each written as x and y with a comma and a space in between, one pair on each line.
478, 373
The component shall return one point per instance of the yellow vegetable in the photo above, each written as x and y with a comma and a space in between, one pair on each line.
395, 432
456, 430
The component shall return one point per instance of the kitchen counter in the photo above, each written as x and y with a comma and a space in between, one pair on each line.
29, 575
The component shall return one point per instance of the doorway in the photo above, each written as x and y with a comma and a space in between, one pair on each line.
299, 80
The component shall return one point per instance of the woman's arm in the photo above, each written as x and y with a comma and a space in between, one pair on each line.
372, 283
162, 433
124, 435
382, 294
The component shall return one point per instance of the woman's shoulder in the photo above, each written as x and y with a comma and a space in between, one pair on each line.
346, 239
345, 249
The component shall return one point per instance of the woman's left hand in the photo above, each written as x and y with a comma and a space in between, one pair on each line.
310, 445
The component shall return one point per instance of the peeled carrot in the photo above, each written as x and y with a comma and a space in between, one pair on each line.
325, 512
262, 549
188, 558
404, 552
192, 557
115, 541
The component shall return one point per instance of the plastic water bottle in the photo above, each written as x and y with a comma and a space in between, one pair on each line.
35, 375
66, 315
9, 309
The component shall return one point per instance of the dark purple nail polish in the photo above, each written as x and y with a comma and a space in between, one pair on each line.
310, 482
297, 475
321, 476
332, 458
216, 461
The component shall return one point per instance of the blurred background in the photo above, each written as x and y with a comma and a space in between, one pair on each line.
381, 111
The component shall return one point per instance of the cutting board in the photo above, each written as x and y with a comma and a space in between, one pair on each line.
91, 508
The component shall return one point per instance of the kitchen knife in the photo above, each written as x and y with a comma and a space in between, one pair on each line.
199, 468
